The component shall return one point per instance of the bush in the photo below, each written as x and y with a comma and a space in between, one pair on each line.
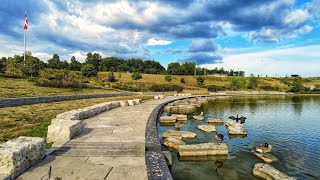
237, 83
297, 85
253, 82
165, 88
168, 78
182, 80
200, 80
267, 88
215, 88
60, 79
88, 70
111, 77
136, 76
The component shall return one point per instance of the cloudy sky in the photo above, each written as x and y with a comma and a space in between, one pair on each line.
274, 37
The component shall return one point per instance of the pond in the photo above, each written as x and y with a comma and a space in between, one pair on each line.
291, 124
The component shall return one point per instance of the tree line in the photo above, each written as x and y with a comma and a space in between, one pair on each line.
16, 66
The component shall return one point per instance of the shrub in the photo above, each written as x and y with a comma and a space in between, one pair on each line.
88, 70
297, 85
136, 76
267, 88
215, 88
182, 80
168, 78
60, 79
253, 82
236, 83
200, 80
165, 88
111, 77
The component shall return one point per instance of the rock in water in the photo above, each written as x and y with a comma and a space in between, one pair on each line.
207, 128
235, 128
266, 157
181, 117
181, 134
216, 122
203, 149
173, 142
265, 171
168, 119
199, 118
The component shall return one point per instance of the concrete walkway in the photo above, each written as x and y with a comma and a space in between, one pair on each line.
112, 146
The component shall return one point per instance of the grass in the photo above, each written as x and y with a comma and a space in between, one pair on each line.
33, 120
13, 88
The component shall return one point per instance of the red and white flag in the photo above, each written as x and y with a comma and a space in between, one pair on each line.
25, 21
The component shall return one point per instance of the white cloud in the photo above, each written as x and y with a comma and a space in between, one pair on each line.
157, 42
296, 60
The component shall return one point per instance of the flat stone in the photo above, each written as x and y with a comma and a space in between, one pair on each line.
181, 117
173, 142
207, 128
198, 118
266, 157
215, 121
182, 134
203, 149
265, 171
168, 119
235, 128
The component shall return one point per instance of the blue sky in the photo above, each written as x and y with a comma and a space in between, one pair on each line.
260, 37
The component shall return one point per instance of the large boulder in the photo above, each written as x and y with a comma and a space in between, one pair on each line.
235, 128
203, 149
207, 128
17, 155
173, 142
265, 171
181, 134
168, 119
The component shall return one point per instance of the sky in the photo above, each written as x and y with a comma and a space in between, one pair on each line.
274, 37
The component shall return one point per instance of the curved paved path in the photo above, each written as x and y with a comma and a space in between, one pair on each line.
112, 146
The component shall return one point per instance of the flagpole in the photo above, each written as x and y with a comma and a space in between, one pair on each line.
25, 44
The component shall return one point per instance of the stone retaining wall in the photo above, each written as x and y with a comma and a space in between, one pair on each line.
69, 124
11, 102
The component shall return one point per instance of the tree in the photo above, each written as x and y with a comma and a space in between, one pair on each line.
297, 85
168, 78
74, 64
14, 66
200, 80
136, 76
64, 65
54, 62
3, 64
253, 82
88, 70
175, 69
111, 77
188, 68
32, 66
94, 59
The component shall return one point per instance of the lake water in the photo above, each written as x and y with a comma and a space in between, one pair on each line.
291, 124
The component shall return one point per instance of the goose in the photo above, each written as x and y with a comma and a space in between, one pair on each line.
263, 148
219, 137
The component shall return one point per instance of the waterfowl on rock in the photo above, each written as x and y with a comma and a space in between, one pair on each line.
201, 114
263, 148
242, 119
219, 137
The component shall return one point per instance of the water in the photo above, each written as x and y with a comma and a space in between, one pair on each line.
291, 124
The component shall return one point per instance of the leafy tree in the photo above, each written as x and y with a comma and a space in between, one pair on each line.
297, 85
88, 70
175, 69
14, 66
111, 77
3, 64
188, 68
253, 82
54, 62
168, 78
94, 59
200, 80
236, 83
64, 65
136, 76
32, 66
74, 64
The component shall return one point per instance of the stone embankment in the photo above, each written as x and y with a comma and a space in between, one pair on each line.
17, 155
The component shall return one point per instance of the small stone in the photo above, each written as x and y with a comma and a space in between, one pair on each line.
179, 134
198, 118
168, 119
235, 128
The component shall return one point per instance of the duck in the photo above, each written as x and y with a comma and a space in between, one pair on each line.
242, 119
263, 148
219, 137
